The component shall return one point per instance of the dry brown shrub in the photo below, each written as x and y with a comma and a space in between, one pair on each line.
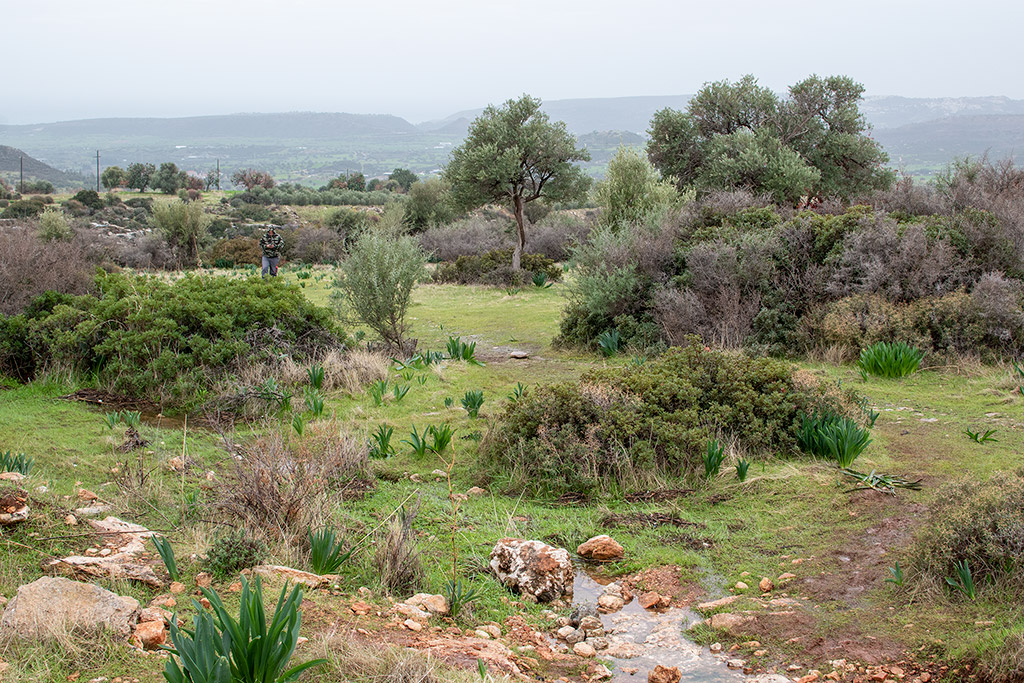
29, 266
352, 370
397, 560
282, 483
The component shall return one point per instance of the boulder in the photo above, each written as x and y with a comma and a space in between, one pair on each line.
601, 548
766, 585
609, 602
533, 568
54, 606
664, 674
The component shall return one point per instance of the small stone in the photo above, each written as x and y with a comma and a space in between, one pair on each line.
177, 588
151, 634
204, 602
760, 653
736, 663
518, 355
652, 600
715, 647
361, 608
598, 642
70, 520
664, 674
204, 580
610, 603
480, 633
766, 585
435, 604
86, 495
176, 464
584, 649
601, 673
785, 577
235, 587
493, 630
809, 678
590, 624
412, 625
744, 574
475, 491
925, 677
740, 586
601, 548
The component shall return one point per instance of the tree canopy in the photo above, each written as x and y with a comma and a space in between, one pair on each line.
815, 142
514, 155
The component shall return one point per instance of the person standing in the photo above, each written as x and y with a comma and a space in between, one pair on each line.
270, 245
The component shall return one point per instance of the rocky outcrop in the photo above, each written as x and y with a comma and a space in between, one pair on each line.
533, 568
124, 542
54, 606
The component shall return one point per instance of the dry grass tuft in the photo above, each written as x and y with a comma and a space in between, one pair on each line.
397, 559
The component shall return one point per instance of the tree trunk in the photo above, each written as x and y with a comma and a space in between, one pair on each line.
517, 253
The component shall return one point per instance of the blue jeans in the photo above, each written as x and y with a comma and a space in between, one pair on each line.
270, 265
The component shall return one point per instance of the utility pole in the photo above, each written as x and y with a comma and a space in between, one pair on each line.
97, 171
218, 175
23, 175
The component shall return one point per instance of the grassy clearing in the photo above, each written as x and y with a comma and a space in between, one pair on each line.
786, 510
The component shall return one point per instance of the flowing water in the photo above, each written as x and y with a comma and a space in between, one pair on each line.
660, 635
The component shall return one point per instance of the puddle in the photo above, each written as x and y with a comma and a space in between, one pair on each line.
659, 633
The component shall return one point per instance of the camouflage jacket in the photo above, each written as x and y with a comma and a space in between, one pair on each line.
271, 245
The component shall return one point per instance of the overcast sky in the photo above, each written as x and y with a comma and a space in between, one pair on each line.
426, 59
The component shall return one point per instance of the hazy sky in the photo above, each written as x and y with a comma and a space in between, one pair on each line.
70, 59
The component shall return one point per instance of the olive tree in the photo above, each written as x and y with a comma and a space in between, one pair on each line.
741, 135
514, 155
631, 190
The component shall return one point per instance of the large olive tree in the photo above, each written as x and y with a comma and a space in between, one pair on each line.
743, 135
514, 154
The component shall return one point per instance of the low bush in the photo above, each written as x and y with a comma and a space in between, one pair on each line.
495, 268
232, 552
396, 559
629, 426
473, 236
980, 522
239, 251
175, 342
24, 208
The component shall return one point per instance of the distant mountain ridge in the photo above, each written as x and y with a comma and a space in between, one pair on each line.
920, 134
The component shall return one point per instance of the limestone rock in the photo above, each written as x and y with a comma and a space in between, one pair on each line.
653, 600
273, 572
610, 602
601, 548
591, 624
518, 355
741, 586
570, 634
664, 674
13, 506
150, 635
715, 604
766, 585
435, 604
583, 649
624, 650
533, 568
12, 476
734, 624
53, 606
475, 491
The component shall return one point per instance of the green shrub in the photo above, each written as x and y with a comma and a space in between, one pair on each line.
376, 282
629, 425
233, 552
90, 198
23, 208
889, 360
53, 226
978, 522
495, 268
174, 342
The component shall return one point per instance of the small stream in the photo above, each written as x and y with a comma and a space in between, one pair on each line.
660, 633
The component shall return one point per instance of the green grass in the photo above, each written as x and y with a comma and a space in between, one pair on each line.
786, 509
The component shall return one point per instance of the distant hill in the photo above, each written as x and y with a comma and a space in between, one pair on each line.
920, 134
10, 169
932, 144
589, 114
